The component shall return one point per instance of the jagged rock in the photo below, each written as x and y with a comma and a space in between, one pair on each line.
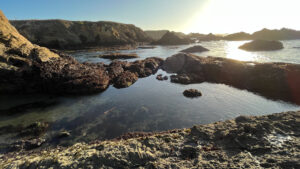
262, 45
192, 93
195, 49
145, 67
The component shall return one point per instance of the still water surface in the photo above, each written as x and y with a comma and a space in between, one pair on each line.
147, 105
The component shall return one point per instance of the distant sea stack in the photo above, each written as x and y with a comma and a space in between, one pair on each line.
62, 34
262, 45
171, 38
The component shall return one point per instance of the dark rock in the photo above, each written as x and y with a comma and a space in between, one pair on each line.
165, 78
272, 80
195, 49
192, 93
146, 47
145, 67
125, 79
189, 152
34, 129
262, 45
159, 77
114, 56
63, 134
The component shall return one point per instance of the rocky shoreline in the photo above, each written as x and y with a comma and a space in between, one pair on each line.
270, 141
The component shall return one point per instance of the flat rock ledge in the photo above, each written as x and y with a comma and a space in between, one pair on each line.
270, 141
114, 56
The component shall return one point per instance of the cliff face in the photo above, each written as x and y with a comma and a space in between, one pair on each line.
62, 34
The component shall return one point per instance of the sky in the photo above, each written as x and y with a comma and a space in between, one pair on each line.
203, 16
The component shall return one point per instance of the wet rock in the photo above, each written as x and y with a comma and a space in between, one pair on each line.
125, 79
165, 78
63, 134
262, 45
267, 79
34, 129
192, 93
182, 79
195, 49
114, 56
146, 47
145, 67
160, 77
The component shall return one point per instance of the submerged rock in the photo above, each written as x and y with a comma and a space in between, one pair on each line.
195, 49
192, 93
262, 45
125, 79
272, 80
114, 56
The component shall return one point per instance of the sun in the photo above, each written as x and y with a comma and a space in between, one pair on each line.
229, 16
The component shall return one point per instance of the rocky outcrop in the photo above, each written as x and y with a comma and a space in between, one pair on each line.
114, 56
171, 38
156, 35
28, 68
25, 67
272, 80
195, 49
270, 141
62, 34
262, 45
282, 34
192, 93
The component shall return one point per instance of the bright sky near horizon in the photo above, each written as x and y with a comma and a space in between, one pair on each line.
204, 16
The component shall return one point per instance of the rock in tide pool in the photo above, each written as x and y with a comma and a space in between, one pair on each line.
114, 56
125, 79
262, 45
272, 80
195, 49
192, 93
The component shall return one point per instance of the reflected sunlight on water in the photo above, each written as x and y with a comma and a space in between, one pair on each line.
233, 52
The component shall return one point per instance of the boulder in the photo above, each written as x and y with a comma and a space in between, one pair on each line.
262, 45
192, 93
195, 49
125, 79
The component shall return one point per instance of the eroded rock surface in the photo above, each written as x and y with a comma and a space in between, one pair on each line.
246, 142
273, 80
